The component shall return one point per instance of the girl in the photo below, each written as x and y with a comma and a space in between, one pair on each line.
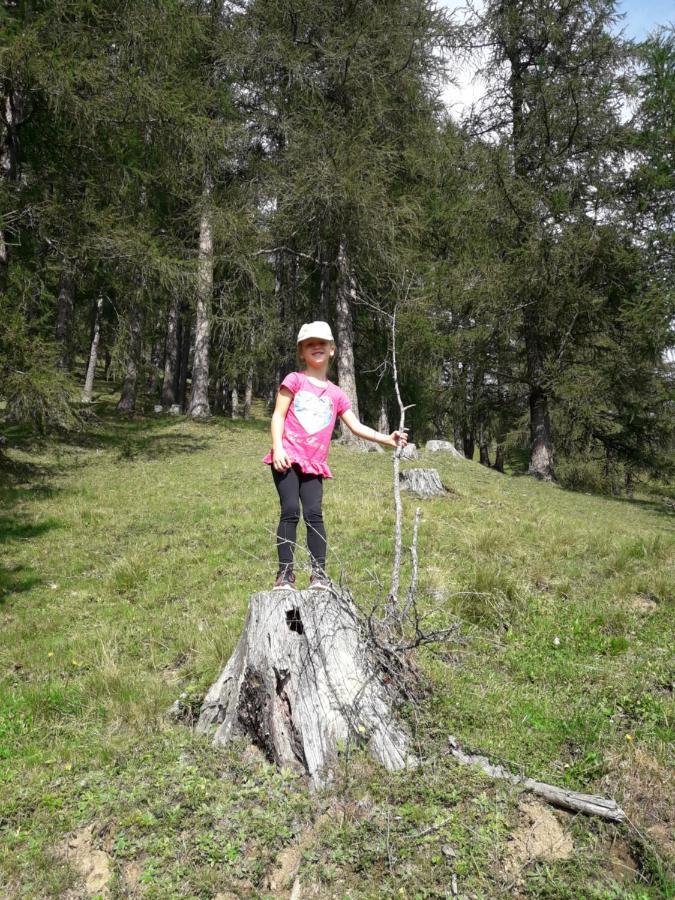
302, 424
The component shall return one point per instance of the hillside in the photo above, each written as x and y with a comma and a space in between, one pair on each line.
129, 554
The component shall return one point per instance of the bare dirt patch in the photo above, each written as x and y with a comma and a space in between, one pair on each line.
643, 603
620, 862
540, 836
93, 865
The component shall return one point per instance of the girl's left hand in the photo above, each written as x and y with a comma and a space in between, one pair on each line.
398, 438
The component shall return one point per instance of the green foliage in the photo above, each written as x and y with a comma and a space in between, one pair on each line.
34, 389
534, 262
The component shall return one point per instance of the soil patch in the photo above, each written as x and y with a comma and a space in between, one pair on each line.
540, 836
93, 865
643, 603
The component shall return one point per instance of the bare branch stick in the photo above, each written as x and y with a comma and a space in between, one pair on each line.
398, 506
270, 250
412, 588
589, 804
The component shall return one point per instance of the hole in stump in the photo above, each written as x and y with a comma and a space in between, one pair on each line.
294, 621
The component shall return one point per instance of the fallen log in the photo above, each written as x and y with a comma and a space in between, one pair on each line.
303, 683
573, 801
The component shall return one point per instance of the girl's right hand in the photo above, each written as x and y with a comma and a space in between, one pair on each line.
280, 460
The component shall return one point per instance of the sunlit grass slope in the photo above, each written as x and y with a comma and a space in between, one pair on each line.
129, 553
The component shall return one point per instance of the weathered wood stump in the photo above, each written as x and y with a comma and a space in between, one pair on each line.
410, 452
444, 447
302, 684
423, 482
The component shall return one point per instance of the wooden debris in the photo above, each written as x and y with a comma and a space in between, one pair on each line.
423, 482
589, 804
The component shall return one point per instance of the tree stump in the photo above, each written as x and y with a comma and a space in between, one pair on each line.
443, 447
303, 683
410, 452
423, 482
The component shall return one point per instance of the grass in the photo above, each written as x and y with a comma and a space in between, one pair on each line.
129, 553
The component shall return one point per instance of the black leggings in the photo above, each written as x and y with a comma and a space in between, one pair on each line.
294, 487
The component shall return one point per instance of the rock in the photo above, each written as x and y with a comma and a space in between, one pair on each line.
158, 408
174, 410
443, 447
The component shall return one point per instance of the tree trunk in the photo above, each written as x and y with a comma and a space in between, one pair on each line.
155, 361
248, 393
345, 335
302, 683
170, 382
234, 402
93, 352
458, 438
383, 419
64, 321
185, 346
468, 444
283, 336
127, 399
541, 444
484, 453
326, 291
499, 459
199, 398
272, 395
11, 119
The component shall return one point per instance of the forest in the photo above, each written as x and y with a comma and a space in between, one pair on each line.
183, 183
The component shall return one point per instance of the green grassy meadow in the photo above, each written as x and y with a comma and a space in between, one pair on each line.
129, 551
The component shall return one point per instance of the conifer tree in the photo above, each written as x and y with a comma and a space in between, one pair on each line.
554, 100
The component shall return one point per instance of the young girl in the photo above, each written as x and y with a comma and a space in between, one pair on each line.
302, 424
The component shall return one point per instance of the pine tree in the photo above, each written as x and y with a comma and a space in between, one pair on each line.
555, 102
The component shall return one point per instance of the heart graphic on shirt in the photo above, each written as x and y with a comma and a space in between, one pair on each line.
314, 413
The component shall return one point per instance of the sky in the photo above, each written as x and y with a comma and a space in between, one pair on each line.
641, 17
644, 15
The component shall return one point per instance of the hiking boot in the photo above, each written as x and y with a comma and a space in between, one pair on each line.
319, 581
285, 581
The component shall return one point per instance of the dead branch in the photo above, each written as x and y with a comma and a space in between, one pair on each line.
589, 804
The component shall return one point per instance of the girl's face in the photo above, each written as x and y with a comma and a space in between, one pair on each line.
316, 354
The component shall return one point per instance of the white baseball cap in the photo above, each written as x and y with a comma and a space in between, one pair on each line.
320, 330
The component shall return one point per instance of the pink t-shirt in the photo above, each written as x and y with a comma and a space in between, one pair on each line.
310, 421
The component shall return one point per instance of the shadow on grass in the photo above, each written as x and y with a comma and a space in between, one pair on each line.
15, 580
517, 467
660, 508
149, 435
12, 529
